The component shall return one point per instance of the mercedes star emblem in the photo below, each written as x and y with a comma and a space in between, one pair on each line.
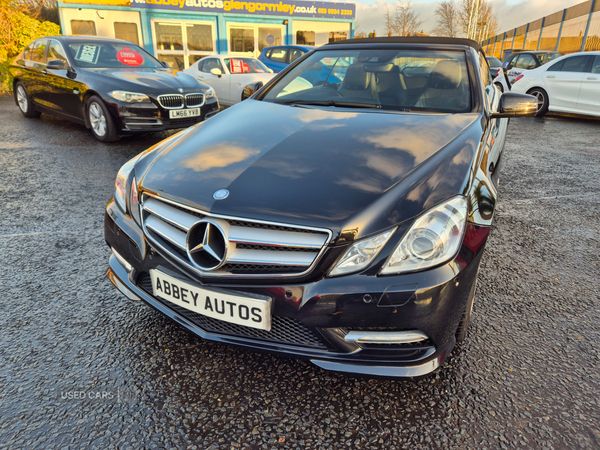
221, 194
207, 244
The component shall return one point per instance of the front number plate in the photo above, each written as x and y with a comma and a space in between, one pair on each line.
181, 113
218, 304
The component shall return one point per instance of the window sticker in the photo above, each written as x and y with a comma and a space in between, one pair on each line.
88, 53
236, 66
130, 57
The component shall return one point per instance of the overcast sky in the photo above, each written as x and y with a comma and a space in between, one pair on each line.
370, 14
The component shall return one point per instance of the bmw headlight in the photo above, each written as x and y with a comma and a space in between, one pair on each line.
210, 94
129, 97
433, 239
361, 254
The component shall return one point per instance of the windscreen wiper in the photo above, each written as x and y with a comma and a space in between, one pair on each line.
333, 103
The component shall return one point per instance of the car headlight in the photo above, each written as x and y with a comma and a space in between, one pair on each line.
121, 183
129, 97
433, 239
210, 94
360, 254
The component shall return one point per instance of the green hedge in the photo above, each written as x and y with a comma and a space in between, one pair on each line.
21, 30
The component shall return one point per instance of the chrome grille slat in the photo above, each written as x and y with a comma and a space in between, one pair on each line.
166, 231
171, 101
170, 214
243, 256
194, 100
264, 246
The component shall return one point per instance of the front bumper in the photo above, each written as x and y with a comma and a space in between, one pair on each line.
150, 117
313, 319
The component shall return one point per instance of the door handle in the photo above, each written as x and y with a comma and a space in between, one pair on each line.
591, 78
550, 76
45, 72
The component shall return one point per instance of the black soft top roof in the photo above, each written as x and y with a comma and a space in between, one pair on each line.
412, 40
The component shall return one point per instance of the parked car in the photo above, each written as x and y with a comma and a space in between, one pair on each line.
342, 223
495, 66
520, 63
112, 87
570, 84
228, 74
278, 58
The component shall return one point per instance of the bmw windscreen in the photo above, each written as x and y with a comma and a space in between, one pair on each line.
398, 80
111, 55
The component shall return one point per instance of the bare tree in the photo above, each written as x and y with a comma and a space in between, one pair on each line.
405, 21
447, 19
478, 20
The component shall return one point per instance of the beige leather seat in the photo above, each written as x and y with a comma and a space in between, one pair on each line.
359, 84
391, 87
445, 89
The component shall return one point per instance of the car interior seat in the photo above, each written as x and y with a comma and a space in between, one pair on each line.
359, 83
446, 88
391, 87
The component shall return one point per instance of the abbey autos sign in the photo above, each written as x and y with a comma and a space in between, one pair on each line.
328, 10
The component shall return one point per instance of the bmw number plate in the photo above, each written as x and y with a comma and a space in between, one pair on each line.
215, 303
180, 113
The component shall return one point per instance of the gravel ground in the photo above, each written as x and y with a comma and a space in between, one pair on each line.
528, 376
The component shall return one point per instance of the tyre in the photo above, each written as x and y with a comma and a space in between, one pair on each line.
465, 321
542, 98
100, 121
499, 86
24, 101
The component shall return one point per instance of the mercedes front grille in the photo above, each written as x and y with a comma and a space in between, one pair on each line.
253, 248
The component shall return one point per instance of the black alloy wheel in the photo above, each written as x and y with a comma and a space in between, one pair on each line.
24, 101
542, 99
100, 121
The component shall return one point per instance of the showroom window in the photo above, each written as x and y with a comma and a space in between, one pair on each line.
83, 27
181, 44
337, 36
305, 37
127, 31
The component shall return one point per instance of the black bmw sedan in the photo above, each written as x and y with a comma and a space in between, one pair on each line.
113, 87
342, 222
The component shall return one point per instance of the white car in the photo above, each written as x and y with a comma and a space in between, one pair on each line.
520, 62
229, 74
569, 84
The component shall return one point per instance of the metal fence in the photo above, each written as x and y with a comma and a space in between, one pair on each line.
574, 29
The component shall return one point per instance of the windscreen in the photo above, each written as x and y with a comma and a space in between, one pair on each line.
403, 80
98, 54
494, 62
245, 65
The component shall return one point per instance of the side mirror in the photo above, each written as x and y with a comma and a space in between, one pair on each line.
165, 64
56, 64
510, 66
251, 89
216, 72
516, 105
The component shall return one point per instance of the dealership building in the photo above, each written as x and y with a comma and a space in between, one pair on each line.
182, 31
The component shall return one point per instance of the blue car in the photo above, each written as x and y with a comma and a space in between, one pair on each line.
278, 58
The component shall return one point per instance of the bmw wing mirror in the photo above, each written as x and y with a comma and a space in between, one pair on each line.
516, 105
216, 72
56, 64
251, 89
165, 64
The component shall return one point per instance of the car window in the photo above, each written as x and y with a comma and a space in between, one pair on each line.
415, 79
296, 53
545, 58
245, 65
278, 55
210, 64
574, 64
38, 52
596, 65
484, 71
526, 62
110, 54
494, 62
55, 51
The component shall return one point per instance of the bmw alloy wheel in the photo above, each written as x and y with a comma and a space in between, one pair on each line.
22, 99
97, 119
